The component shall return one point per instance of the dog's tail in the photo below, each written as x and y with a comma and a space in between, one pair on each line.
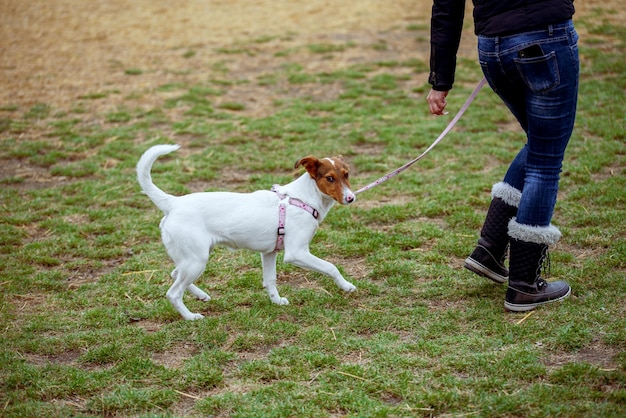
158, 196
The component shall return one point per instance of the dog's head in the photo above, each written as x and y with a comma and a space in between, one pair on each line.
331, 176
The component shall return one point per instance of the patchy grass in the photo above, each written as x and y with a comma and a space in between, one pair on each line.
86, 328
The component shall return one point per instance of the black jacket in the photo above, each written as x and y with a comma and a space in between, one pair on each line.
491, 17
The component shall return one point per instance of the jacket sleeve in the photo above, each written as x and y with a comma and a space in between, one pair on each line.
445, 35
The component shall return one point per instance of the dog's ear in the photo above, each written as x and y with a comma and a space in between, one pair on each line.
310, 163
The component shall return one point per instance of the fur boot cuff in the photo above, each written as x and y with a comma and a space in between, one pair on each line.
509, 194
548, 235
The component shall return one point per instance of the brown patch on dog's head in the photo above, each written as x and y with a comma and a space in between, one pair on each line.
331, 176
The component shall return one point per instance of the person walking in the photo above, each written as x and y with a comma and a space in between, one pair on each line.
528, 53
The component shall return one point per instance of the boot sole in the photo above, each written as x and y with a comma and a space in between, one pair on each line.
475, 267
513, 307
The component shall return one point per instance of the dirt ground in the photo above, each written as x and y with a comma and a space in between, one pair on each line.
54, 51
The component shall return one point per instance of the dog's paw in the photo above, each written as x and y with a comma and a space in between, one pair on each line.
349, 287
202, 296
281, 301
194, 317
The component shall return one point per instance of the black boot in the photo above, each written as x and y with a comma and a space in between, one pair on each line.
529, 250
488, 257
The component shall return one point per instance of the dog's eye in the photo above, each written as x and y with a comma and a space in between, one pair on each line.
330, 179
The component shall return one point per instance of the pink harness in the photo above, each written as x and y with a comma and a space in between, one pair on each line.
282, 212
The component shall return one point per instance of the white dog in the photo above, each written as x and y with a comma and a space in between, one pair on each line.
264, 221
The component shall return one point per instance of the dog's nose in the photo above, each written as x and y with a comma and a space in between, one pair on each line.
350, 198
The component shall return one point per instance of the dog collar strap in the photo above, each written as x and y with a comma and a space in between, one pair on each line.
300, 204
282, 214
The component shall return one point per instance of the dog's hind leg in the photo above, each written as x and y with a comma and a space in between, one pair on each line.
184, 275
199, 293
268, 261
193, 289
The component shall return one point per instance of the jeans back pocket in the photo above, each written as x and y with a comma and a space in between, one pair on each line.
539, 73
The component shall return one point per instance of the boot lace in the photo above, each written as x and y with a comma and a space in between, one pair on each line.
543, 270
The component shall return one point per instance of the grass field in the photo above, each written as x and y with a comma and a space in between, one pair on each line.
86, 329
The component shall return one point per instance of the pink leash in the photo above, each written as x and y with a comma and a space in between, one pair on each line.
397, 171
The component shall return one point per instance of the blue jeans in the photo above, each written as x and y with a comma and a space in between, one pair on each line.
540, 87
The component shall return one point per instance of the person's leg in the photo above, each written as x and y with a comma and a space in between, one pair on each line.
551, 98
488, 257
551, 91
548, 84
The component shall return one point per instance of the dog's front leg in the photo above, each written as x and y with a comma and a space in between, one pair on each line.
268, 261
306, 260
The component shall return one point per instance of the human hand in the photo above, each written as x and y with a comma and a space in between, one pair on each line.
437, 102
